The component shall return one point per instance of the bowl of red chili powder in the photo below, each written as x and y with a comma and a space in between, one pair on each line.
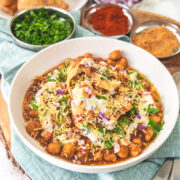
109, 19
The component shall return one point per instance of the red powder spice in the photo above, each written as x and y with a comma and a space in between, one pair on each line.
109, 20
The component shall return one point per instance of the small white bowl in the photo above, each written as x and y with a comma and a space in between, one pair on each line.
137, 58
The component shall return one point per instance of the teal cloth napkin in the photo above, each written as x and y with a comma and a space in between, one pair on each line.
11, 59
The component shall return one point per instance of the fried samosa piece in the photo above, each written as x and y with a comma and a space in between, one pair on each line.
25, 4
9, 6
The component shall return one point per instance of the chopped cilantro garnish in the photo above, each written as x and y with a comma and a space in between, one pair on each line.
133, 110
152, 110
49, 74
101, 130
138, 76
51, 80
108, 145
73, 82
33, 105
57, 121
124, 122
131, 72
86, 125
66, 63
64, 98
155, 127
119, 131
37, 117
62, 76
102, 97
42, 26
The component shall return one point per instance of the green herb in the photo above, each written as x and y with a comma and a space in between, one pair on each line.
133, 110
66, 63
155, 127
33, 105
108, 145
103, 77
131, 72
138, 76
124, 122
62, 78
64, 98
119, 131
42, 26
57, 121
51, 80
86, 125
102, 97
101, 130
49, 74
152, 110
73, 82
37, 117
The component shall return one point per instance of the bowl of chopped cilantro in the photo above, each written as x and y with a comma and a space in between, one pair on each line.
39, 27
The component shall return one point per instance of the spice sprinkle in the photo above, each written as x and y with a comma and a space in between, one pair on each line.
110, 20
159, 41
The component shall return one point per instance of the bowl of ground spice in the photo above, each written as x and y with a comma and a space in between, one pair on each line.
109, 19
160, 38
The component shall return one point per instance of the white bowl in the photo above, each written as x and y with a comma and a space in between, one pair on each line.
137, 58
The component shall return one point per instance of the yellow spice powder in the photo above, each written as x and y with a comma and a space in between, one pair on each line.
159, 41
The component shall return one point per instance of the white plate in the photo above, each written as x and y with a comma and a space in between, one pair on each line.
73, 6
137, 58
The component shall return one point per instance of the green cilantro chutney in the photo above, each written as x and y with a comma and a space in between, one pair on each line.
42, 26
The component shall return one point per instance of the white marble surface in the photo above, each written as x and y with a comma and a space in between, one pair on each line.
169, 8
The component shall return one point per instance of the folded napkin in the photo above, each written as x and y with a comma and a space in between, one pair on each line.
11, 59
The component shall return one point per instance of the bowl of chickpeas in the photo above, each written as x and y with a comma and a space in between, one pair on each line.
75, 111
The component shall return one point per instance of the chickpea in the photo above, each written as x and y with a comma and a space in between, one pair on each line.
109, 157
137, 141
149, 134
54, 148
146, 84
155, 96
119, 67
88, 55
116, 54
82, 155
159, 105
26, 107
98, 156
33, 127
123, 152
123, 61
33, 113
48, 136
135, 147
135, 150
156, 118
68, 150
42, 141
111, 62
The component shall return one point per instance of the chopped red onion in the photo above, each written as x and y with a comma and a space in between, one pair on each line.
60, 92
128, 3
142, 127
103, 116
138, 116
116, 148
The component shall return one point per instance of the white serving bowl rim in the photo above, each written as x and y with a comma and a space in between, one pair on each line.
31, 143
